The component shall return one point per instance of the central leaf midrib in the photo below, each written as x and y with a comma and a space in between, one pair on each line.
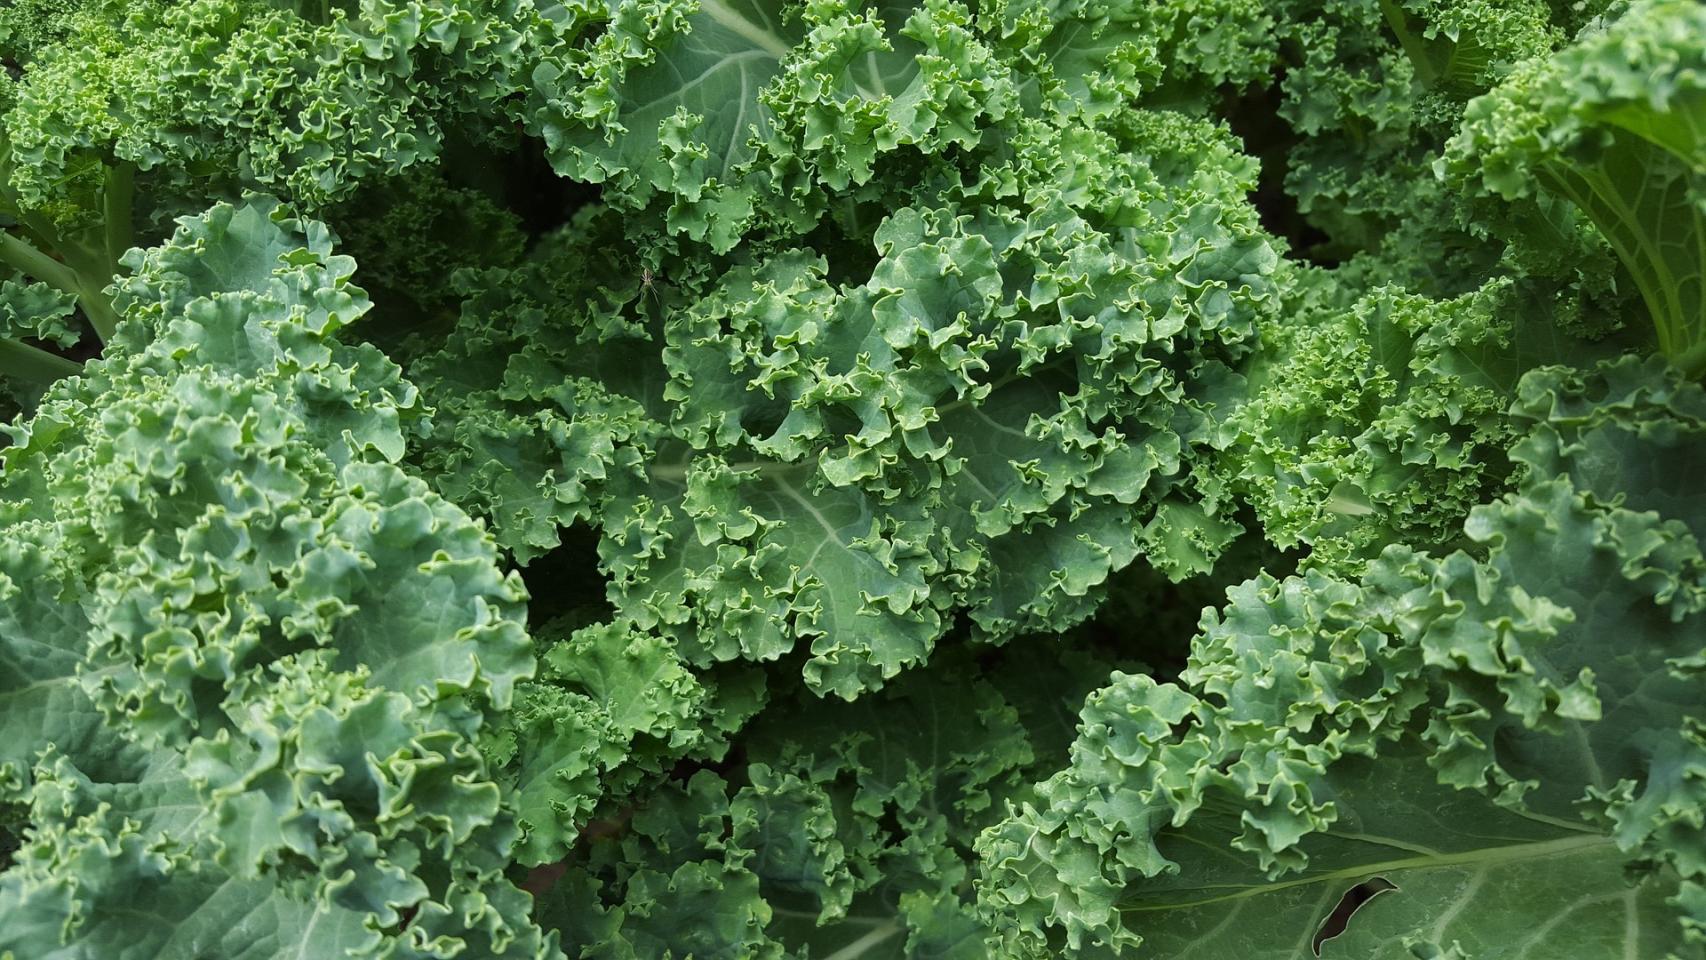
744, 28
1482, 856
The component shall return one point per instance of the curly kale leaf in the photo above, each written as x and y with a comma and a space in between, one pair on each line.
1615, 124
253, 93
1517, 743
1386, 419
841, 827
247, 658
991, 419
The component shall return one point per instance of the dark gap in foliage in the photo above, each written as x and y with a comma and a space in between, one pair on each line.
847, 228
409, 235
764, 419
1253, 114
611, 824
1153, 619
1044, 676
539, 880
591, 31
535, 192
1148, 617
87, 347
733, 760
1352, 901
9, 844
566, 585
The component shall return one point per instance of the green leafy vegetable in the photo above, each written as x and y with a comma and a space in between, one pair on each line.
829, 480
1459, 727
246, 655
1616, 125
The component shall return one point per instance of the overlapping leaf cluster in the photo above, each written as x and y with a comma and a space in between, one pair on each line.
1444, 721
765, 507
247, 657
991, 419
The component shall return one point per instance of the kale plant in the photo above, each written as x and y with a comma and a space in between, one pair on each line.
809, 479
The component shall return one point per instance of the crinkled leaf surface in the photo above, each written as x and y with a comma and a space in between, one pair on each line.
1327, 726
251, 656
